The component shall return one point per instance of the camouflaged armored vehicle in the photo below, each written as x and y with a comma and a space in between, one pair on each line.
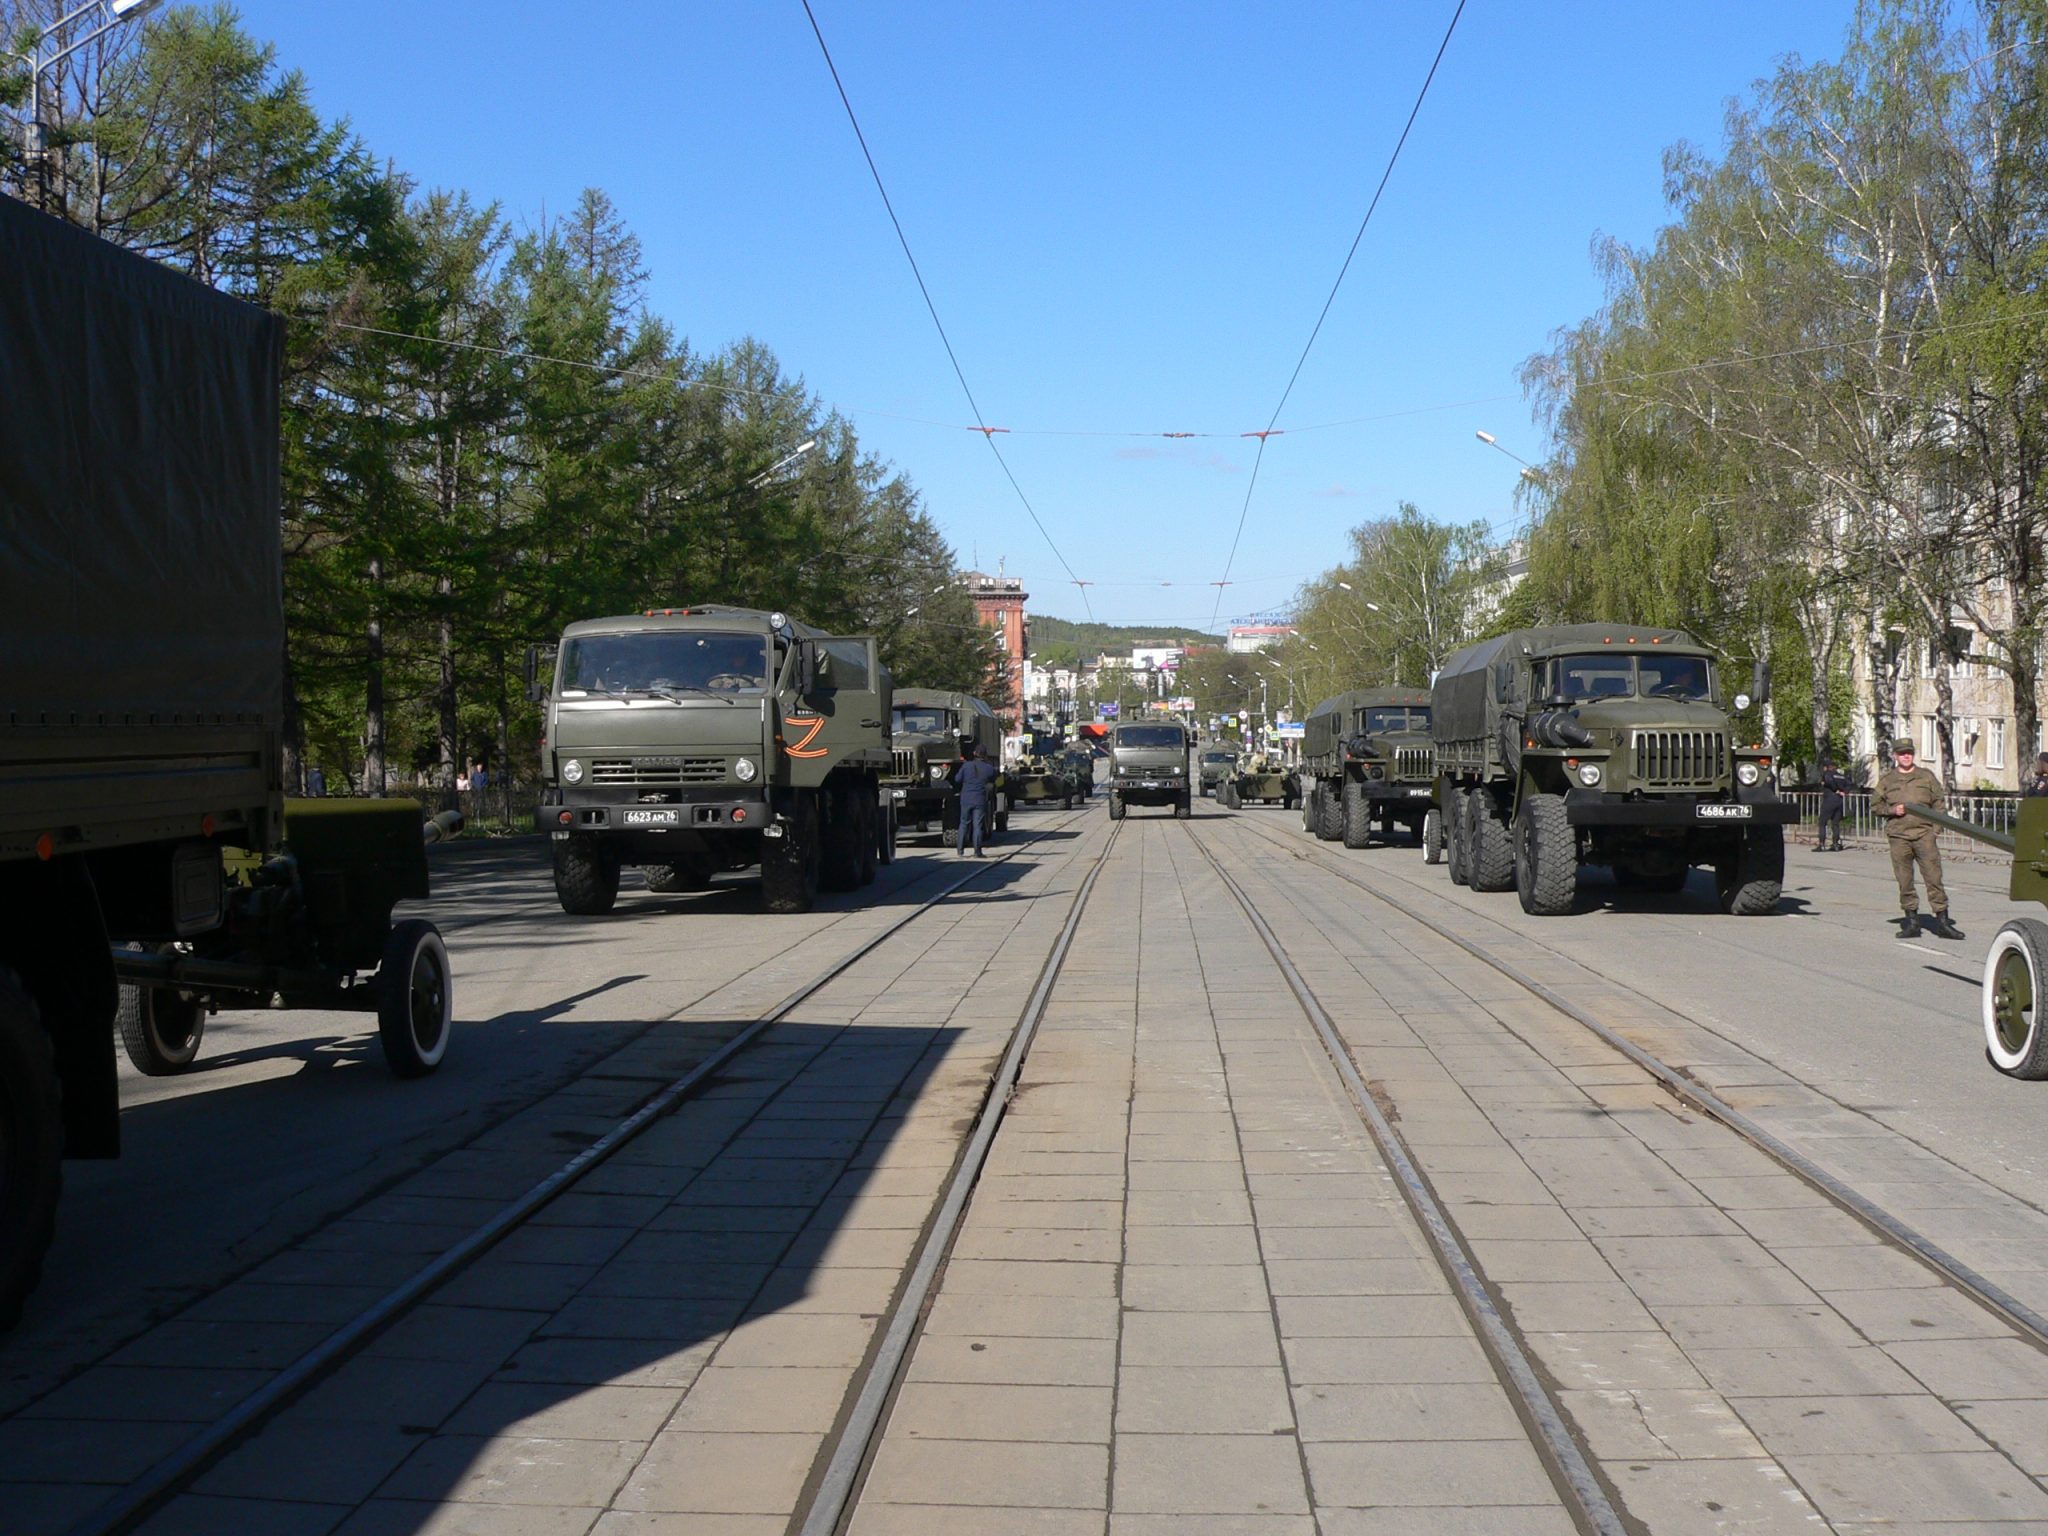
1040, 780
1261, 780
1079, 764
693, 740
1215, 766
927, 728
1366, 758
1148, 765
1603, 744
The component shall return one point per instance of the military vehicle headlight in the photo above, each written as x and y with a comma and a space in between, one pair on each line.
940, 770
744, 769
572, 772
1747, 773
1589, 774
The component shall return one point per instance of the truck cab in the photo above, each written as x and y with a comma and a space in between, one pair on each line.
1148, 765
928, 728
1371, 763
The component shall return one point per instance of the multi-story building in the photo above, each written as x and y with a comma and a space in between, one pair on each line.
999, 604
1897, 693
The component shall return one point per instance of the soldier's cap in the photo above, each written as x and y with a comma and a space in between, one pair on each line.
1903, 745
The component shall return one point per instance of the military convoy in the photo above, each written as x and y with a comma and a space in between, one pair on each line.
1260, 780
692, 740
1148, 765
927, 728
1603, 744
1367, 758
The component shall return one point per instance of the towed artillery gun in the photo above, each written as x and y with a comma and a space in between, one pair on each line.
1262, 780
2016, 969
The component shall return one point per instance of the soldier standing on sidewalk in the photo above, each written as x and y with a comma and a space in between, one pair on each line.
1911, 840
1834, 785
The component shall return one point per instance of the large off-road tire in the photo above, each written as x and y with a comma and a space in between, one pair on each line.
691, 873
2015, 980
1330, 816
586, 878
415, 998
160, 1029
1546, 857
31, 1146
1489, 843
1309, 801
789, 863
838, 839
1356, 816
1001, 823
1116, 806
1750, 877
1184, 807
1454, 836
885, 833
867, 811
1432, 836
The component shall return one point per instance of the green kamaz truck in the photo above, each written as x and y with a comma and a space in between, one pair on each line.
1148, 765
693, 740
1604, 744
1366, 758
927, 729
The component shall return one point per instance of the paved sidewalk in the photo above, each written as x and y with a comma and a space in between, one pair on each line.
1187, 1297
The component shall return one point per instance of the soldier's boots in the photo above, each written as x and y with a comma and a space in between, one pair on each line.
1942, 928
1909, 926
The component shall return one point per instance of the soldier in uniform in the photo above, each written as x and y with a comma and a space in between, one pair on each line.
1912, 840
1834, 784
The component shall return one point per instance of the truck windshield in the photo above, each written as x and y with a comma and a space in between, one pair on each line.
920, 720
1219, 757
1150, 736
666, 661
1606, 675
1406, 719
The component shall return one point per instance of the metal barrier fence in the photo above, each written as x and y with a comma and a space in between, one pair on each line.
1996, 813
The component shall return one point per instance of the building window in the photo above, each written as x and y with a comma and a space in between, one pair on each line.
1930, 740
1994, 744
1966, 738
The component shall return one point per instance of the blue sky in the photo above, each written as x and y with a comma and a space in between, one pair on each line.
1128, 214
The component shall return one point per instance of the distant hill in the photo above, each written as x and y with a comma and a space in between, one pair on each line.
1065, 643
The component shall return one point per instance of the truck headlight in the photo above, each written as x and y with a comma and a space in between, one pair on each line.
572, 772
1589, 774
1747, 773
939, 772
744, 769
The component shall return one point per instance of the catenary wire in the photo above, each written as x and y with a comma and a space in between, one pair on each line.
1316, 330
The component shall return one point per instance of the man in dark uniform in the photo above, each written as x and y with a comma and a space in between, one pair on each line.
1912, 840
2038, 785
1834, 784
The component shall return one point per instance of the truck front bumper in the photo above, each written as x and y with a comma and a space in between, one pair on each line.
1142, 790
748, 814
1418, 795
1592, 808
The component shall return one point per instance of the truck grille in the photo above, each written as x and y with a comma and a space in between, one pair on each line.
1415, 763
627, 773
1681, 759
902, 764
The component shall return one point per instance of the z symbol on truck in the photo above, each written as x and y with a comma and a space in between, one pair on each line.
803, 747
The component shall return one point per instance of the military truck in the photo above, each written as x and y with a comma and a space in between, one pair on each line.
1079, 763
1366, 758
693, 740
1603, 744
151, 868
1261, 780
928, 727
1148, 765
1216, 765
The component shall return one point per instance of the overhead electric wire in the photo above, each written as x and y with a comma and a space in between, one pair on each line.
980, 421
1272, 422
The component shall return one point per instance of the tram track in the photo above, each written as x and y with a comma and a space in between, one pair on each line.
1686, 1088
177, 1471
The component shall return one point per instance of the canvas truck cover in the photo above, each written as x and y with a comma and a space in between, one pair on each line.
139, 546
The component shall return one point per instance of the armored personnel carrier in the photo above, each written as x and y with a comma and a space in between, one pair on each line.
1603, 744
693, 740
928, 727
1261, 780
1366, 759
1040, 780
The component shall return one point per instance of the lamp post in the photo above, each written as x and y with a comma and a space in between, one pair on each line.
40, 62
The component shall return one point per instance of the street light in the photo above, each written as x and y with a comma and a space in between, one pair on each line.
754, 482
34, 140
1529, 471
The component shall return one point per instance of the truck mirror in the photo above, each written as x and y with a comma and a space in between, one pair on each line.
1760, 682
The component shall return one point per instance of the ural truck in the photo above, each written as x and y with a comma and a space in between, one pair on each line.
1603, 744
1148, 765
689, 741
927, 728
1366, 759
151, 868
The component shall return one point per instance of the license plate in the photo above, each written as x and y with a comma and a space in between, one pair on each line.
664, 818
1723, 812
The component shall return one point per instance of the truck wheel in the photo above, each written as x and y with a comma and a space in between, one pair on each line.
160, 1029
690, 874
789, 863
31, 1146
1330, 816
1432, 836
2013, 984
1184, 807
885, 834
868, 811
586, 881
1310, 803
1357, 821
1489, 846
1454, 836
839, 840
1116, 806
1002, 820
1751, 875
415, 998
1546, 857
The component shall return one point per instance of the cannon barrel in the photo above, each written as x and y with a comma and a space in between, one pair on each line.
443, 826
1967, 828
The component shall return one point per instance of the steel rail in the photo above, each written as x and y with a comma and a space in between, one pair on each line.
167, 1477
1554, 1439
855, 1442
1987, 1292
